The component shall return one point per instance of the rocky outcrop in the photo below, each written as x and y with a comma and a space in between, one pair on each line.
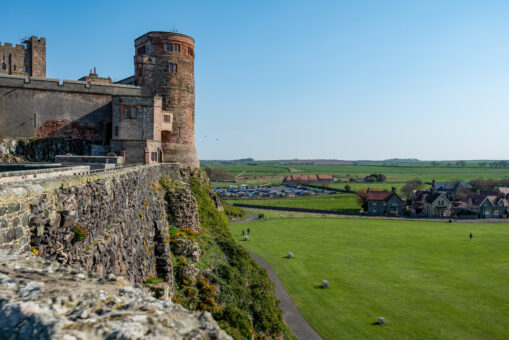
184, 210
186, 248
43, 149
40, 299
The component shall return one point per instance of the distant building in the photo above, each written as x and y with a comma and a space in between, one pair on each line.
380, 203
483, 205
308, 179
430, 203
450, 189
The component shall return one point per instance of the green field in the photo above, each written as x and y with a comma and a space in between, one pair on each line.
376, 186
426, 278
339, 202
397, 172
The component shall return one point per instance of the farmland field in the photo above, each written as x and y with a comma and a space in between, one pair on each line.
426, 278
274, 172
339, 202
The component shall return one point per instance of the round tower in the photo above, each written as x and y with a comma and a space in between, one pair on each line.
164, 66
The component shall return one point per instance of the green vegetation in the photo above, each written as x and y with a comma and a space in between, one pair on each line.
153, 280
338, 202
426, 278
230, 285
80, 233
234, 213
218, 174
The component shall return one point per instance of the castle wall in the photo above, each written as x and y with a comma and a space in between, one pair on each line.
29, 60
42, 107
123, 211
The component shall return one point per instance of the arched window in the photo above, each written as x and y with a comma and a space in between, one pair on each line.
4, 67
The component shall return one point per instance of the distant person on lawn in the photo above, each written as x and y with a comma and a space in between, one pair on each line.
470, 235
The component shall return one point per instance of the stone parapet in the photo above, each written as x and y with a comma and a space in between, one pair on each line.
37, 83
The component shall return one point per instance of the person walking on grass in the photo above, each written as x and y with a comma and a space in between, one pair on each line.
243, 232
248, 231
470, 235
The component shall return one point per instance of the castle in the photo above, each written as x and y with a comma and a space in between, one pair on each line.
147, 118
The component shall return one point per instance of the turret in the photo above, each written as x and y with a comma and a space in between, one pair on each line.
164, 66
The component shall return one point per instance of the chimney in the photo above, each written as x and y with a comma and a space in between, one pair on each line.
433, 183
95, 72
393, 190
367, 191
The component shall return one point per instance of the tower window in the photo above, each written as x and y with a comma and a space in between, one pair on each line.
173, 68
172, 47
127, 112
167, 118
14, 67
4, 67
190, 51
142, 50
24, 68
116, 131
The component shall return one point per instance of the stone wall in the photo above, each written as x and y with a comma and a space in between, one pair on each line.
43, 107
120, 215
44, 149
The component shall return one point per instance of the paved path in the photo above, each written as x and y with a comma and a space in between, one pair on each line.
291, 314
251, 218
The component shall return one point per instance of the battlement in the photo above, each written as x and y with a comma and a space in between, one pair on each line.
18, 46
37, 83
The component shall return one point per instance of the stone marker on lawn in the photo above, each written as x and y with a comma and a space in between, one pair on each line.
290, 255
325, 284
246, 238
381, 320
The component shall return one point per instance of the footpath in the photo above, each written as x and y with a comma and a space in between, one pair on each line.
291, 313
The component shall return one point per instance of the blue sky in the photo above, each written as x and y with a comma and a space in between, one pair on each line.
308, 79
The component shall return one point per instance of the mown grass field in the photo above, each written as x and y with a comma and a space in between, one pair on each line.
426, 278
339, 202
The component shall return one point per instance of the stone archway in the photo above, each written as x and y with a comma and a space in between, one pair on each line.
166, 136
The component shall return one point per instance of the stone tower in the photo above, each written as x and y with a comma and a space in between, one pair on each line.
28, 59
164, 66
36, 55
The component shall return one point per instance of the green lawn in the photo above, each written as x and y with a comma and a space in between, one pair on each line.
338, 202
376, 186
426, 278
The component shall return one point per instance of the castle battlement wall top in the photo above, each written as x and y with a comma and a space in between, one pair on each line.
6, 44
37, 83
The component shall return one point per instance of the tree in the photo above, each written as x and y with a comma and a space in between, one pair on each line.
434, 164
218, 174
410, 186
348, 187
362, 198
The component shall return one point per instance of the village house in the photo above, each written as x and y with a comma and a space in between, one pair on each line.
308, 179
450, 189
430, 203
380, 203
483, 205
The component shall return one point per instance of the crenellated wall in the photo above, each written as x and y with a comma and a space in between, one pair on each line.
114, 222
